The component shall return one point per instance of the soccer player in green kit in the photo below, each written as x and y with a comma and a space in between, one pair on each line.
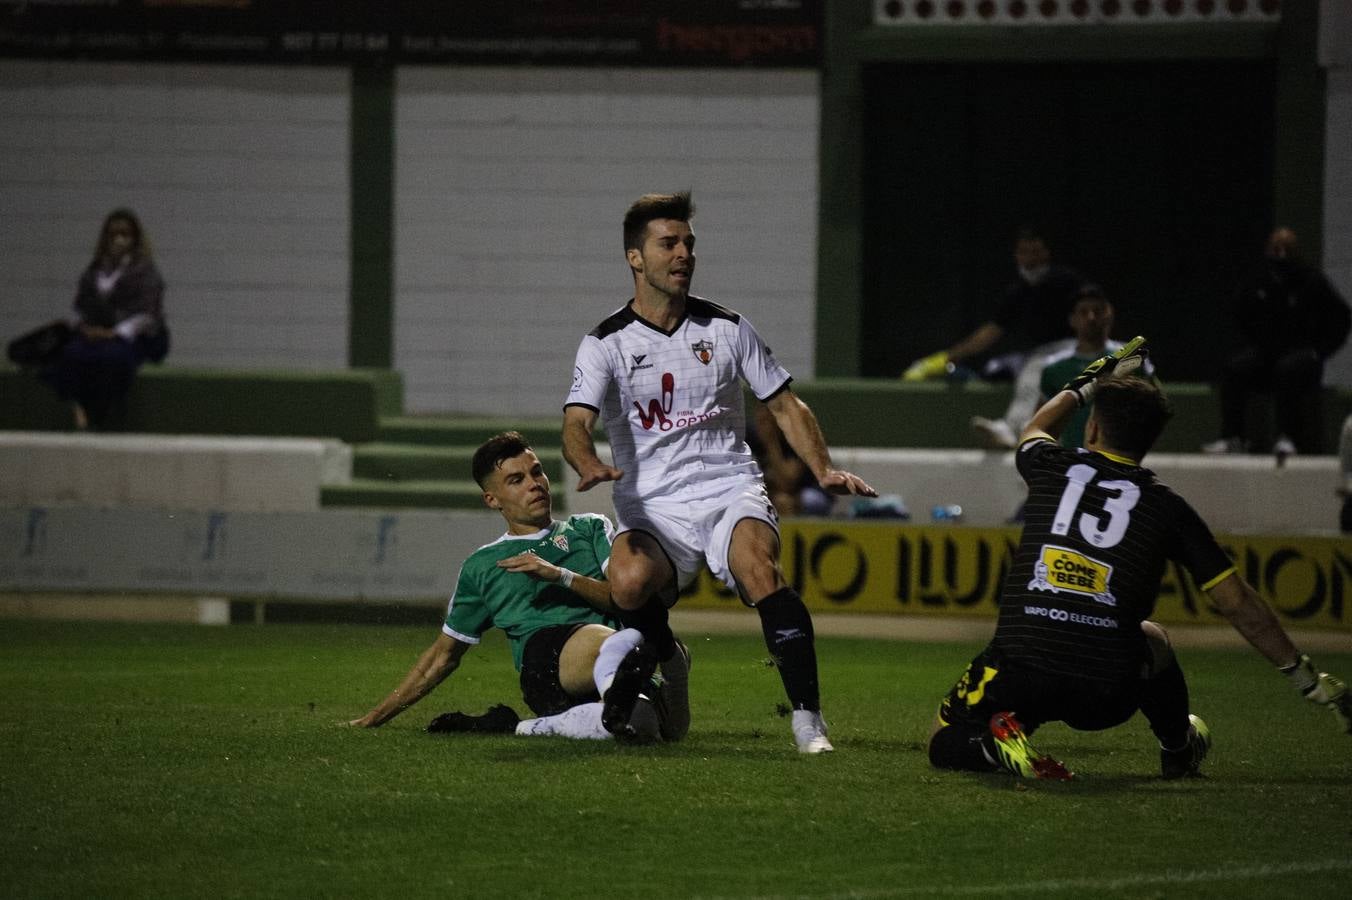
543, 583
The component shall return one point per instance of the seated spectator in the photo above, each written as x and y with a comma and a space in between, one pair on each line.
792, 488
119, 325
1033, 312
1091, 321
1291, 319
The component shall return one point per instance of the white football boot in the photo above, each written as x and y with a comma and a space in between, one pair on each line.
809, 732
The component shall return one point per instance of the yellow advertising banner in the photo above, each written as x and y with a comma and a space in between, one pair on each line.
954, 570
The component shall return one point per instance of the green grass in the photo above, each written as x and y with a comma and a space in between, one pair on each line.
178, 761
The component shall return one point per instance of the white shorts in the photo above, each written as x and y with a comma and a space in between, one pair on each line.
696, 533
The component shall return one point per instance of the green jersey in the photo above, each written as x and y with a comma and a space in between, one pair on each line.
1057, 372
490, 597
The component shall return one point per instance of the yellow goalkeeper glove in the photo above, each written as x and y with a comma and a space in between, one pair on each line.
932, 366
1322, 688
1124, 361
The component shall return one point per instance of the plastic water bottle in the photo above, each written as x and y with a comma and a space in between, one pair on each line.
950, 512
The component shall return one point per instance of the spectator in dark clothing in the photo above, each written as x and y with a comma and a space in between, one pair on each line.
119, 307
1033, 313
1291, 319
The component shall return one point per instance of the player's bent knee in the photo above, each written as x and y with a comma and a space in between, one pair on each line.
1161, 651
629, 593
635, 581
954, 747
578, 657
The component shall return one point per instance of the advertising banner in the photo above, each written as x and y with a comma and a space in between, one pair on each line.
782, 33
405, 556
415, 556
957, 571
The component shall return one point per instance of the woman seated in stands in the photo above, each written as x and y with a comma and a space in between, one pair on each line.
119, 306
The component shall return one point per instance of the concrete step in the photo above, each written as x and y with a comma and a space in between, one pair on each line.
385, 494
420, 462
466, 431
443, 494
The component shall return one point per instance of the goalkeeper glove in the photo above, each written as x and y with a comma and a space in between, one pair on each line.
932, 366
1121, 362
1323, 688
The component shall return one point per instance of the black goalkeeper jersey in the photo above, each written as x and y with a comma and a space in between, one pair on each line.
1097, 536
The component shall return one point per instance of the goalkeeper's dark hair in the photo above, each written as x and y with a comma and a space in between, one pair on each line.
494, 451
654, 206
1131, 413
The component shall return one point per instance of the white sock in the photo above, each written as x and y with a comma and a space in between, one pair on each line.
613, 651
581, 722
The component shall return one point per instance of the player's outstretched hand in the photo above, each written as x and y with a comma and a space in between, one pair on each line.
1324, 689
1124, 361
932, 366
597, 474
838, 481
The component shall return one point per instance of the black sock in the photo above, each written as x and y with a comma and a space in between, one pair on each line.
787, 627
1164, 702
954, 747
651, 621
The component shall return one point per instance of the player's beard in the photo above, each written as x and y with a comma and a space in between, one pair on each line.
667, 285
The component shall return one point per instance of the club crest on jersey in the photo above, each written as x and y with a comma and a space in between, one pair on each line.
704, 351
1060, 569
560, 541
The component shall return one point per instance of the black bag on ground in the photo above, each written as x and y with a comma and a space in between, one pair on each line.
41, 346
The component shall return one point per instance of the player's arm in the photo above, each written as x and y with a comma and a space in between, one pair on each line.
1236, 600
804, 435
433, 666
979, 341
579, 450
594, 590
1050, 420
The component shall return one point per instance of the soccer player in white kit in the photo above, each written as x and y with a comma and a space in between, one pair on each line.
664, 374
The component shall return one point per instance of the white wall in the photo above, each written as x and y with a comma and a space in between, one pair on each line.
239, 175
510, 188
1336, 55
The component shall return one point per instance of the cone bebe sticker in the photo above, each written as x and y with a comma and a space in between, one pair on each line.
1059, 569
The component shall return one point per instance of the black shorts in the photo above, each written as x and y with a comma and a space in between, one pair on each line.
540, 685
990, 686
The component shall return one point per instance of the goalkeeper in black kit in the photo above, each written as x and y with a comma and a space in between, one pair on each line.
1073, 642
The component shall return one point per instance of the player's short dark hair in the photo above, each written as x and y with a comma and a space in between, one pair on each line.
494, 451
1027, 232
654, 206
1131, 413
1091, 291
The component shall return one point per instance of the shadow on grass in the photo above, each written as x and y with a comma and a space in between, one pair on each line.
1116, 784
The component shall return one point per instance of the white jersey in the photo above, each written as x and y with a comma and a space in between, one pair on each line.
671, 402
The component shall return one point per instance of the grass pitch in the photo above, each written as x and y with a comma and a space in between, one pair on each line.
182, 761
